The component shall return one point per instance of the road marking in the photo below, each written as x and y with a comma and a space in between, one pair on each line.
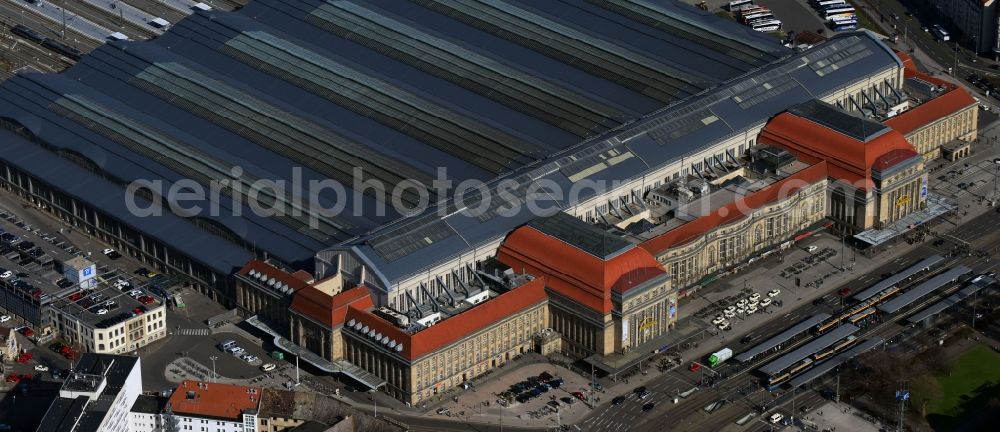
193, 332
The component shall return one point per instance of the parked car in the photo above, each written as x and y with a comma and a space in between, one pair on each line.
41, 368
5, 318
618, 400
111, 253
648, 406
774, 292
267, 367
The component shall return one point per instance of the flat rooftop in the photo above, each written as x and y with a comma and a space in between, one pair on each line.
916, 293
895, 279
67, 414
819, 370
582, 235
816, 345
780, 338
952, 300
854, 126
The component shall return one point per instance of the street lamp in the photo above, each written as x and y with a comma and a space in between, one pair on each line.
215, 376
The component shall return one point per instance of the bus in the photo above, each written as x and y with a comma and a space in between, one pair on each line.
838, 12
820, 4
844, 27
747, 10
736, 4
940, 33
767, 17
754, 14
766, 26
845, 21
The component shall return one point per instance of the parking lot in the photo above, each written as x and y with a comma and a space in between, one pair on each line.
489, 397
795, 15
817, 261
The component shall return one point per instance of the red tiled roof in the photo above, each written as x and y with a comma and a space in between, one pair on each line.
907, 60
576, 274
213, 400
327, 309
953, 101
737, 210
850, 159
893, 158
459, 326
279, 275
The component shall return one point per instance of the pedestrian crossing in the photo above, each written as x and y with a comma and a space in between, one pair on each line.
193, 332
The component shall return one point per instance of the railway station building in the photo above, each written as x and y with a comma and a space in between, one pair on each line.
691, 145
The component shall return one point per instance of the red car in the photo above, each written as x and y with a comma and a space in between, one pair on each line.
695, 367
27, 332
25, 357
580, 395
147, 300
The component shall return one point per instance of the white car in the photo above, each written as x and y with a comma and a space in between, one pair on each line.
725, 327
812, 249
41, 368
765, 302
101, 311
249, 358
774, 292
730, 309
268, 367
4, 318
7, 274
754, 297
741, 310
751, 310
718, 320
741, 303
235, 350
776, 418
730, 313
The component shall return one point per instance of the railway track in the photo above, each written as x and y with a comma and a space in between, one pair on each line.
17, 53
741, 376
105, 18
